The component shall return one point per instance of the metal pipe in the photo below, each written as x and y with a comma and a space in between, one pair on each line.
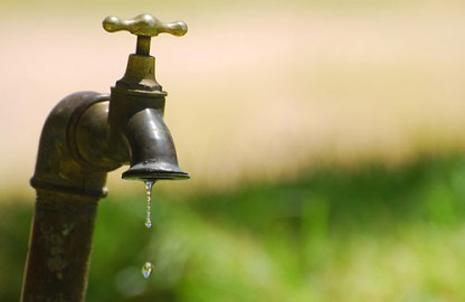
59, 249
68, 190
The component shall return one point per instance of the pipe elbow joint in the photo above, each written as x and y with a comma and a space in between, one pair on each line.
60, 165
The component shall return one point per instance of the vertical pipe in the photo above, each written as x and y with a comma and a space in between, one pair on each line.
59, 249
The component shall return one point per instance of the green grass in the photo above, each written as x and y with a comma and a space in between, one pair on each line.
370, 234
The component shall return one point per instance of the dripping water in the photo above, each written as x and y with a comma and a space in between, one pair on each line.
148, 192
147, 268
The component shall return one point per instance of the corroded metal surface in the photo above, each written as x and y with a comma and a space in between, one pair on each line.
61, 242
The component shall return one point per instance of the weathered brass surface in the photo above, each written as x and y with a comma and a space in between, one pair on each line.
85, 136
58, 260
144, 26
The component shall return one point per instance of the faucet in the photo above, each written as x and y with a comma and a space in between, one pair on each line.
85, 136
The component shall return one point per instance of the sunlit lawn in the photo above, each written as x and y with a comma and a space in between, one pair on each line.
372, 234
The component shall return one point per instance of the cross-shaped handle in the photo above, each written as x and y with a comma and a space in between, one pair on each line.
144, 26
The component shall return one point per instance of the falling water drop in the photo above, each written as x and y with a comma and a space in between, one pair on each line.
148, 191
147, 269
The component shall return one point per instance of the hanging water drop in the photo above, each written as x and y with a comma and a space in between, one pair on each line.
148, 192
147, 269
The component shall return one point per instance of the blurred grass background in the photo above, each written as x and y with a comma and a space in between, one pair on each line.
325, 140
369, 234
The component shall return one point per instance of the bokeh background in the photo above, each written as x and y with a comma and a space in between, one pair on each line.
324, 138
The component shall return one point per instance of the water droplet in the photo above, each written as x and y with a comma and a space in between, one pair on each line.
147, 269
148, 191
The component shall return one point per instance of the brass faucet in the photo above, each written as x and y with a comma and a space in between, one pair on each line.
85, 136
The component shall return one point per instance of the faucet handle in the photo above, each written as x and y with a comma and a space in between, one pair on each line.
144, 26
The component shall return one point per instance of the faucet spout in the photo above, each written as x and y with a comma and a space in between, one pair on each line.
153, 155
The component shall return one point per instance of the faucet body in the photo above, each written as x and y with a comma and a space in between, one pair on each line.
87, 135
